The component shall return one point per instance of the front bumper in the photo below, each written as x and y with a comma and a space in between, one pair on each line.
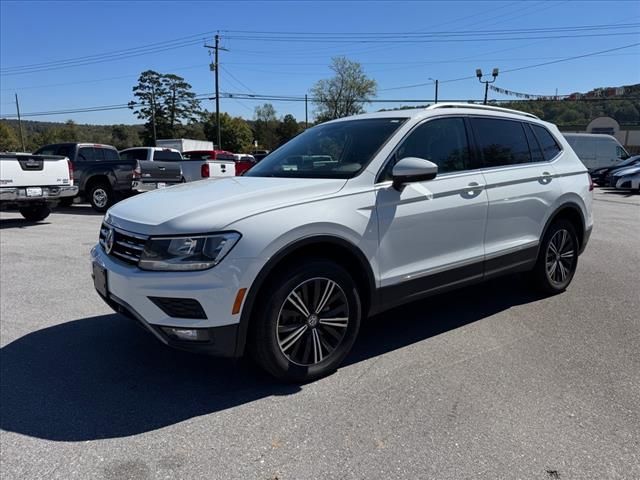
134, 293
19, 194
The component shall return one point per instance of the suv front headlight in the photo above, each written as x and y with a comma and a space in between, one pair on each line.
187, 253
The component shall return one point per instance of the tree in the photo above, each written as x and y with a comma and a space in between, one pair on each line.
150, 93
180, 103
266, 126
8, 139
346, 93
69, 132
235, 133
287, 129
124, 136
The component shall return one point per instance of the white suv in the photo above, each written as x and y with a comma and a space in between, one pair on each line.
350, 218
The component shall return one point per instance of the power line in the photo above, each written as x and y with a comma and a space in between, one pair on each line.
566, 59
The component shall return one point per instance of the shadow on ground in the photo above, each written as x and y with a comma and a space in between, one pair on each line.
104, 377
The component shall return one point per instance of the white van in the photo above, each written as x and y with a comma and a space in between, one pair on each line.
596, 150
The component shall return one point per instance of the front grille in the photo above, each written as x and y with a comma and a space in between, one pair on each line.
180, 307
127, 246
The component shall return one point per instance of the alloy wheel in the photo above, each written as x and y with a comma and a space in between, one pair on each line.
560, 257
100, 198
312, 321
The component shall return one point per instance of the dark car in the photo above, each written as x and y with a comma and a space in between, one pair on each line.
600, 175
99, 172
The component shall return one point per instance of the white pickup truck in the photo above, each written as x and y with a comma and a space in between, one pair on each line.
34, 183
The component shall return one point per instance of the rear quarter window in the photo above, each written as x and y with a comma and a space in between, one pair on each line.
550, 147
167, 156
110, 155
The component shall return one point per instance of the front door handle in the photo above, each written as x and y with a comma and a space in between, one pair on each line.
475, 187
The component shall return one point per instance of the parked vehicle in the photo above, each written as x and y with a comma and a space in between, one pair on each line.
196, 168
287, 260
34, 183
259, 154
597, 150
629, 180
185, 144
100, 174
151, 170
621, 176
599, 175
242, 162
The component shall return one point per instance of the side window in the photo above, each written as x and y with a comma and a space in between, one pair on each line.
501, 142
86, 154
550, 147
126, 156
534, 146
65, 151
110, 155
621, 153
442, 141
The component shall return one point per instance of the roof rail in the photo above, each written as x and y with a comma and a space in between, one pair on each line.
481, 107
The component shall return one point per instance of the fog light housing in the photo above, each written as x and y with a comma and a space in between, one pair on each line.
187, 334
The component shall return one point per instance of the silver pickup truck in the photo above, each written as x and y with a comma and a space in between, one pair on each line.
34, 183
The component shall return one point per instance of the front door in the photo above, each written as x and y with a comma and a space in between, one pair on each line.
431, 233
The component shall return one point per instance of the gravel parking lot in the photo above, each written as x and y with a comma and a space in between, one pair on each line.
487, 382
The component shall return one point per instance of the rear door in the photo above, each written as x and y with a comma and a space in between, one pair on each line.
431, 233
122, 169
521, 187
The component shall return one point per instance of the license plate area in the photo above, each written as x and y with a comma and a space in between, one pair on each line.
34, 191
100, 280
161, 184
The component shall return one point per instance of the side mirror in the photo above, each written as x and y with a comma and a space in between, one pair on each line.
413, 169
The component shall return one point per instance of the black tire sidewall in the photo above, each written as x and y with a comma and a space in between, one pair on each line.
269, 353
35, 213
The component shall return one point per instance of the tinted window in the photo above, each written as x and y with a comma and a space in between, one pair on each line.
86, 154
443, 142
330, 150
167, 156
534, 146
47, 150
198, 156
501, 142
621, 153
550, 147
110, 155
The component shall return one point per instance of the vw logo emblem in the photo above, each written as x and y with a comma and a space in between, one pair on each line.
108, 241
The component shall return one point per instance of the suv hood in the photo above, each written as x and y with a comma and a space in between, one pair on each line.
210, 205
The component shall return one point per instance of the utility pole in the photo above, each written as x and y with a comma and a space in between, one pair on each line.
153, 113
20, 124
306, 112
494, 74
215, 66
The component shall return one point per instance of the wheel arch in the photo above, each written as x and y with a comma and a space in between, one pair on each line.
571, 212
330, 247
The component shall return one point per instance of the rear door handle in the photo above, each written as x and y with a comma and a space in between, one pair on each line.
546, 178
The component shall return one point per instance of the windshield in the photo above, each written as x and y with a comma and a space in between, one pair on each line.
330, 150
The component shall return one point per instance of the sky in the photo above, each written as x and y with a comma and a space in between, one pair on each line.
399, 44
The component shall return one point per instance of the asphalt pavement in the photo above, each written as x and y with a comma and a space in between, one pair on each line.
490, 382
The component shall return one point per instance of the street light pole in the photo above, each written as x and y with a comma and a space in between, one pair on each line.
494, 74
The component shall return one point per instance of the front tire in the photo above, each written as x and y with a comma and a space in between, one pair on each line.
557, 259
101, 197
35, 213
306, 321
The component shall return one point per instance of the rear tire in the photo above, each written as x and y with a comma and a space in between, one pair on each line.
557, 259
35, 213
306, 321
101, 197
